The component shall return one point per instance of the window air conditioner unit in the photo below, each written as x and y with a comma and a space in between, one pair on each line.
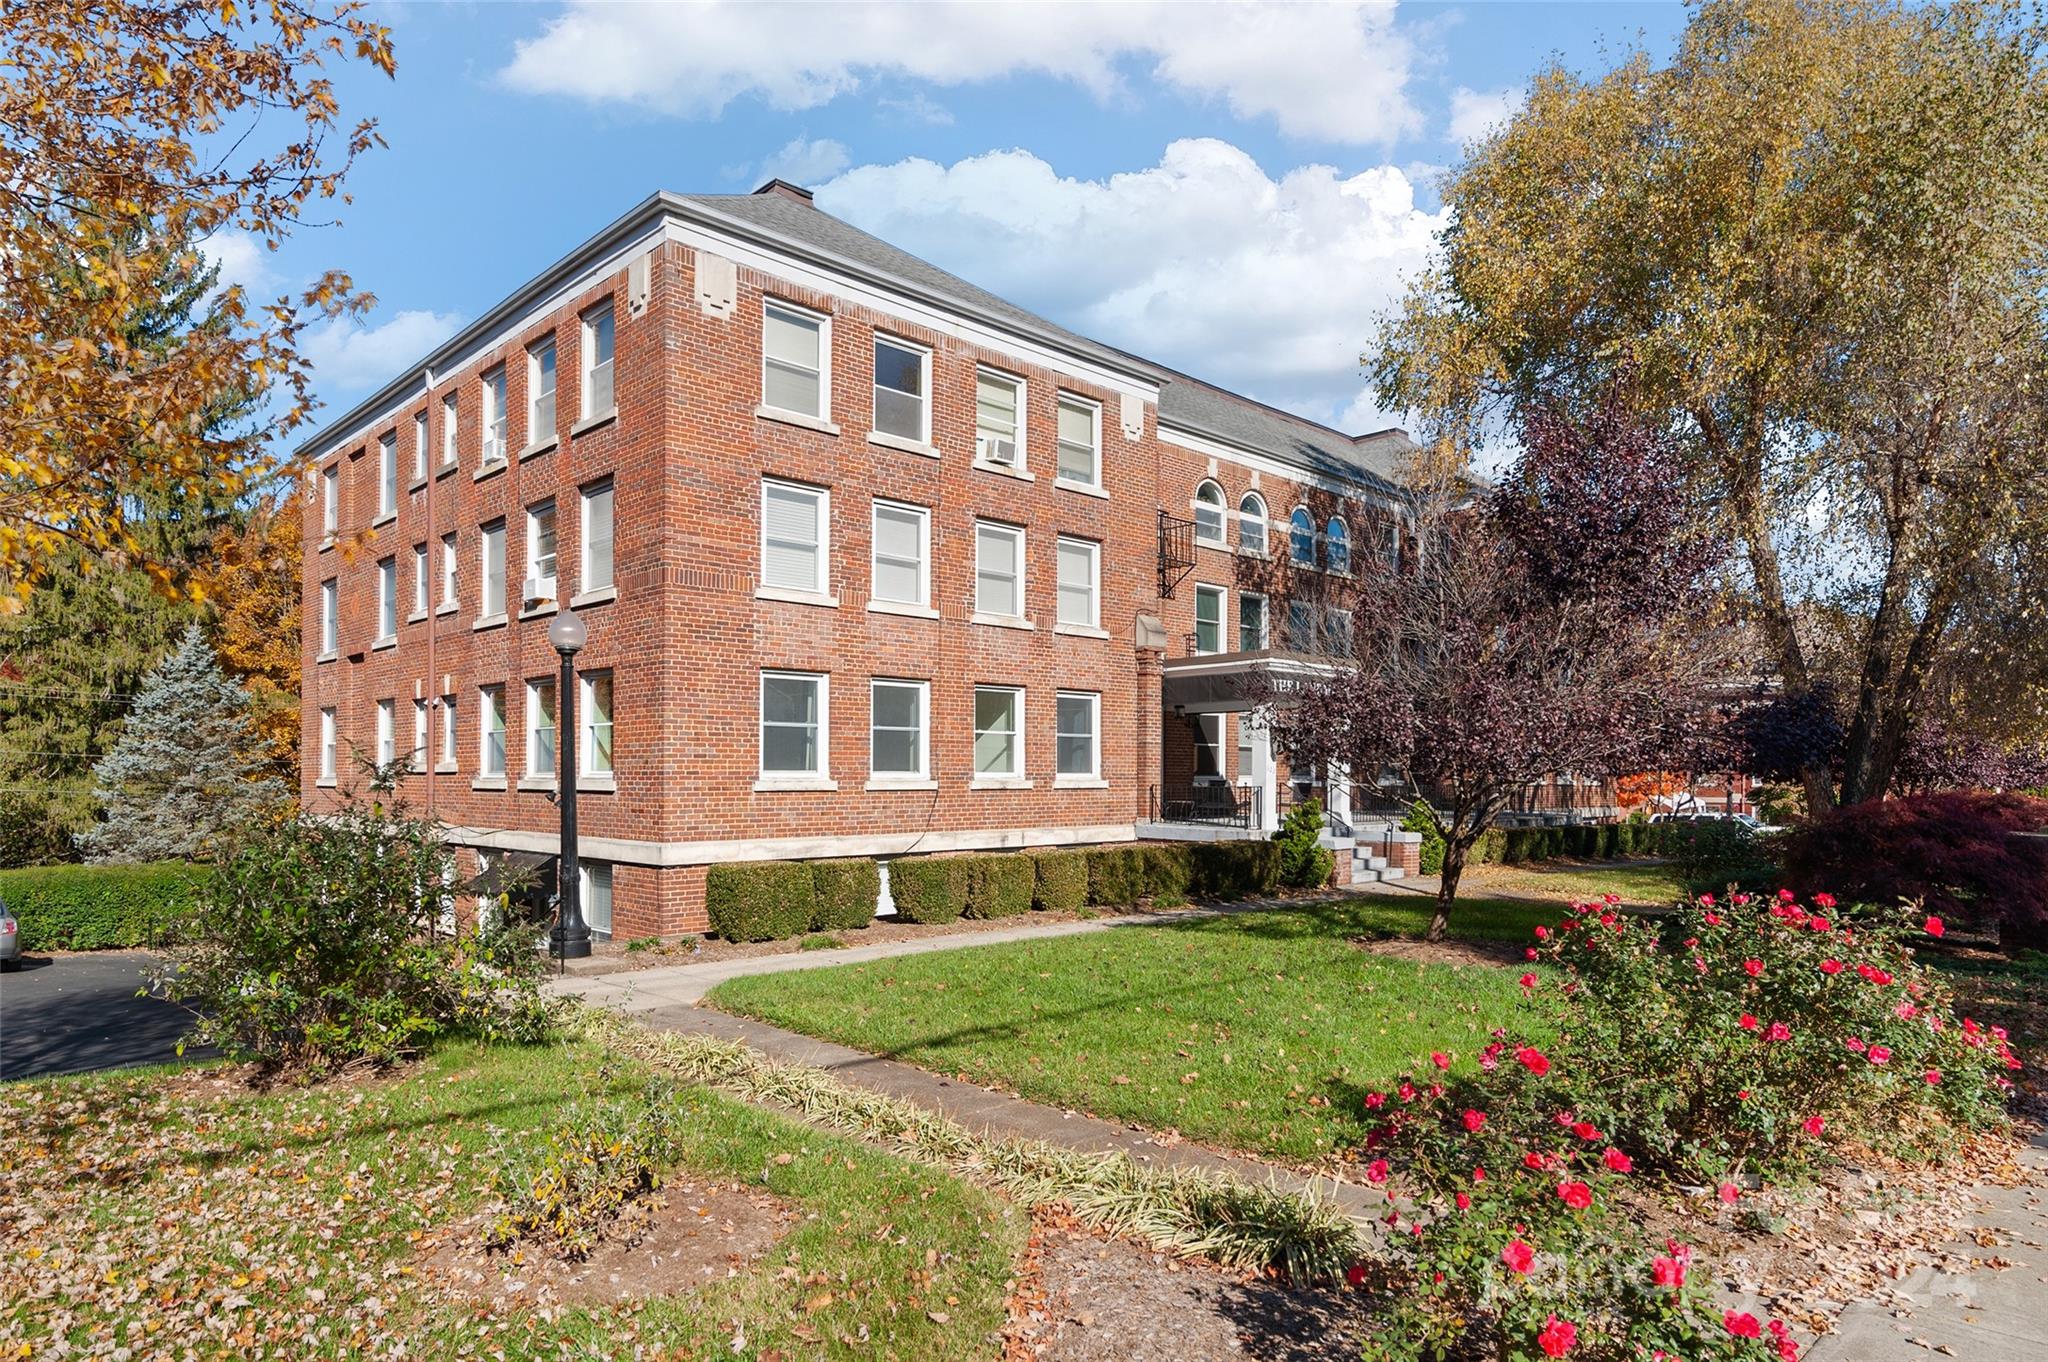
537, 590
995, 449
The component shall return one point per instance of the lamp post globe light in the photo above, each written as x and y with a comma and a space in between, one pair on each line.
571, 937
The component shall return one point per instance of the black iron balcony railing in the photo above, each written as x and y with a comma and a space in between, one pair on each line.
1207, 804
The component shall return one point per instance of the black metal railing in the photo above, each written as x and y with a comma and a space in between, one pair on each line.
1206, 804
1176, 552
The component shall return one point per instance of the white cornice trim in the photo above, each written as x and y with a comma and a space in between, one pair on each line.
1211, 447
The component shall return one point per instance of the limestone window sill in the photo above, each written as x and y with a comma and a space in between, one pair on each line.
884, 440
1085, 489
1002, 470
784, 594
796, 418
794, 784
899, 783
1080, 631
1000, 783
915, 612
599, 596
487, 783
490, 470
484, 622
593, 421
537, 449
1079, 783
1001, 621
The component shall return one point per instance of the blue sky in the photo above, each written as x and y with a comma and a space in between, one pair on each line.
1232, 189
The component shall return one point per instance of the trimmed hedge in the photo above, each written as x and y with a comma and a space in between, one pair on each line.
760, 901
1060, 880
999, 884
1116, 876
1168, 870
929, 888
1233, 870
97, 907
846, 892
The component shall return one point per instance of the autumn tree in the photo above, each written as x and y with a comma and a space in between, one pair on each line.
1562, 623
250, 583
130, 130
1815, 239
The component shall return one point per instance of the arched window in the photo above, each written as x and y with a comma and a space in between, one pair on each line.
1337, 546
1209, 514
1301, 537
1251, 524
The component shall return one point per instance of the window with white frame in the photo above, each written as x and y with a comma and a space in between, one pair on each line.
793, 719
1208, 505
597, 537
419, 447
330, 499
448, 568
1337, 632
1251, 524
1251, 621
419, 580
596, 709
599, 395
330, 624
1079, 563
596, 885
491, 565
1301, 626
1337, 546
449, 431
1208, 619
540, 726
490, 730
1391, 543
387, 599
793, 521
327, 744
1080, 441
794, 349
896, 729
446, 759
1301, 537
419, 735
387, 739
1208, 732
997, 743
494, 416
902, 390
540, 554
387, 476
998, 570
902, 554
1076, 721
540, 391
998, 418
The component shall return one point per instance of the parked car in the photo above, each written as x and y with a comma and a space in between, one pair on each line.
10, 940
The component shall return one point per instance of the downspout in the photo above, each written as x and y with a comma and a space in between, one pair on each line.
433, 696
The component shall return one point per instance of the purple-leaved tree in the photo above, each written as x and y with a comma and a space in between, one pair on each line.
1565, 621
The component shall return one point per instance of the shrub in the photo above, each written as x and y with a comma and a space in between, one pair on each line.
1418, 820
844, 893
1304, 862
929, 888
1116, 876
1713, 853
1167, 872
94, 907
1233, 870
998, 884
760, 900
314, 946
35, 829
1954, 852
1060, 880
597, 1162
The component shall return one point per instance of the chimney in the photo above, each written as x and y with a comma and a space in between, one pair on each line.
787, 190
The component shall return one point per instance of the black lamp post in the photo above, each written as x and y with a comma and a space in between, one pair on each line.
571, 937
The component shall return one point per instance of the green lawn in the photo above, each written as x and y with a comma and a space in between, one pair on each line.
145, 1212
1635, 881
1259, 1031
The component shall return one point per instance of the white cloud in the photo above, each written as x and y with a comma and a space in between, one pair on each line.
1333, 71
1268, 286
806, 162
348, 360
1476, 113
243, 259
917, 107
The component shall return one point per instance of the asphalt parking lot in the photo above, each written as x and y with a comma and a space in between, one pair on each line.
67, 1014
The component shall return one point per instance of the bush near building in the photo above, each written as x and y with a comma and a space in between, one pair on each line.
97, 907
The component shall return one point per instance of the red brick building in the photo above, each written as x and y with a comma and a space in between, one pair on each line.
872, 562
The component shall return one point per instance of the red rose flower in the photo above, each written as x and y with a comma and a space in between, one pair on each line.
1528, 981
1747, 1021
1479, 1175
1932, 1076
1376, 1171
1355, 1274
1537, 1161
1576, 1195
1813, 1125
1668, 1272
1585, 1130
1935, 926
1752, 968
1533, 1059
1518, 1256
1830, 966
1823, 900
1778, 1031
1543, 933
1879, 1054
1742, 1324
1730, 1193
1375, 1100
1475, 1121
1440, 1059
1557, 1337
1618, 1161
1464, 1201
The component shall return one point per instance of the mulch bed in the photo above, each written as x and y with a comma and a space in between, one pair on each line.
1489, 954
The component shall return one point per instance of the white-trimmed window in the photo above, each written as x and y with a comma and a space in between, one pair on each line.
540, 391
596, 896
491, 562
902, 554
1208, 732
1077, 721
490, 730
387, 599
1079, 563
540, 554
1337, 546
330, 499
387, 739
1208, 506
387, 476
494, 417
1301, 537
1251, 523
903, 384
1301, 627
1337, 632
598, 394
448, 729
793, 724
998, 418
448, 568
330, 624
327, 744
897, 722
998, 570
450, 430
998, 745
419, 447
419, 580
793, 526
1080, 441
597, 537
1208, 619
1251, 621
595, 706
419, 735
795, 360
540, 727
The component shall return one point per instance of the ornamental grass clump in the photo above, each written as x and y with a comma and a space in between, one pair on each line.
591, 1177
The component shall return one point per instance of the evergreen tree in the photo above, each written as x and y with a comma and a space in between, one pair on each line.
188, 766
